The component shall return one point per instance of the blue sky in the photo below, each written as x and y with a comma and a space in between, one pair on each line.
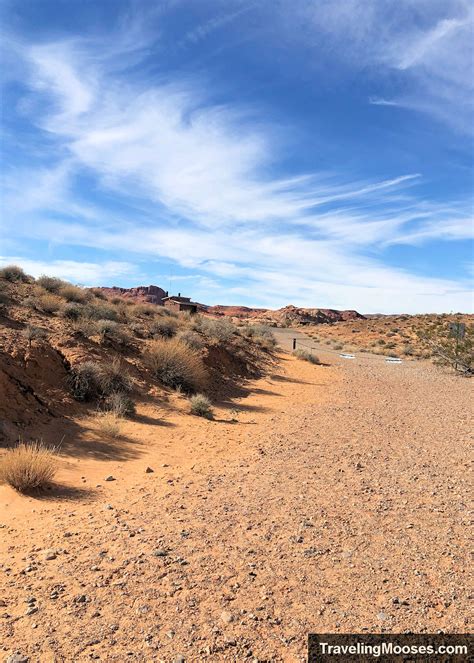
248, 152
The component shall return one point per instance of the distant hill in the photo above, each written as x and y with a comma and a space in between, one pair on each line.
288, 315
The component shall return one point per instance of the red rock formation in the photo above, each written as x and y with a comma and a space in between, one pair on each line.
151, 294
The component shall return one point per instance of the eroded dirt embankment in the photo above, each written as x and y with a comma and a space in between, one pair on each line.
329, 499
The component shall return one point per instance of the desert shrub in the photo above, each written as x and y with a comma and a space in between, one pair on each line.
100, 311
119, 404
97, 292
381, 341
85, 381
90, 379
175, 364
447, 345
72, 311
201, 406
28, 466
47, 303
85, 327
32, 333
306, 356
14, 274
109, 424
114, 377
108, 330
217, 330
408, 350
262, 335
137, 329
165, 327
51, 283
338, 346
390, 345
72, 293
4, 297
146, 310
191, 338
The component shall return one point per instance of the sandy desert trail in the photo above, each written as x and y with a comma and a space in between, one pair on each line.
338, 501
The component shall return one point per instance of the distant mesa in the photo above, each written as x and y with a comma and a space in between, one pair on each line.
288, 315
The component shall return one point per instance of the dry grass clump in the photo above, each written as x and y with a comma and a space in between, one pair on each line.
120, 404
261, 334
14, 274
73, 293
201, 406
85, 327
100, 311
97, 292
306, 356
191, 338
175, 364
111, 331
146, 310
165, 327
51, 283
85, 381
32, 333
72, 311
114, 377
47, 303
28, 466
90, 380
216, 330
109, 424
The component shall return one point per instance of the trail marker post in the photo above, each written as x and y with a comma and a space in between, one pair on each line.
294, 344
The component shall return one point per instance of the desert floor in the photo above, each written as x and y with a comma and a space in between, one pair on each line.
331, 498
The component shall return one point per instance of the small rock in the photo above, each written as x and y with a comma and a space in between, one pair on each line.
179, 659
160, 552
149, 470
382, 616
226, 617
17, 658
31, 610
3, 604
81, 598
50, 554
109, 478
109, 507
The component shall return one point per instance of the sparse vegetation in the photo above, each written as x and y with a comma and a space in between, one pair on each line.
100, 311
175, 364
32, 333
114, 377
109, 424
191, 338
72, 293
72, 311
85, 381
216, 330
14, 274
201, 406
306, 356
165, 327
28, 466
120, 404
51, 283
89, 380
450, 343
111, 331
44, 303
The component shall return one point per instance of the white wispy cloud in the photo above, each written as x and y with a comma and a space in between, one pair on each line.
84, 273
427, 42
202, 176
